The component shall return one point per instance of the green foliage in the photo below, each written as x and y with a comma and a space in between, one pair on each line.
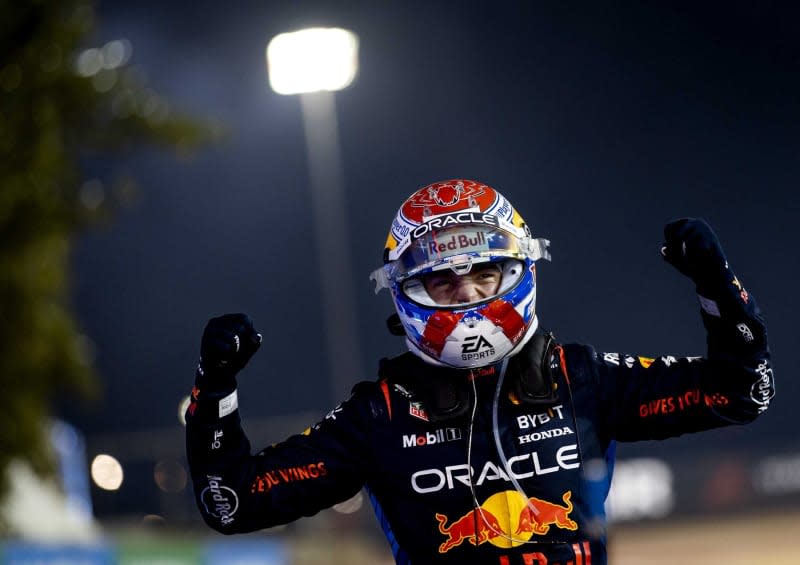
59, 103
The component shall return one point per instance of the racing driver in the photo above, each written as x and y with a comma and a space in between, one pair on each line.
489, 441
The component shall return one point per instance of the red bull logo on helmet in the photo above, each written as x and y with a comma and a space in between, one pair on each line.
506, 519
441, 197
446, 195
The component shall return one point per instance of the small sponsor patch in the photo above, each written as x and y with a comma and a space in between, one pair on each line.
709, 306
763, 389
219, 500
216, 443
416, 410
747, 335
228, 404
439, 436
269, 479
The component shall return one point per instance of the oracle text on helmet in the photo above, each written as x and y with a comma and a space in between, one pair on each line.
454, 220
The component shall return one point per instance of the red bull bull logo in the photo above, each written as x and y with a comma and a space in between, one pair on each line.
476, 526
506, 519
546, 514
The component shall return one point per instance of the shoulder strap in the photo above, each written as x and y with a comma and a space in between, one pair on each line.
534, 384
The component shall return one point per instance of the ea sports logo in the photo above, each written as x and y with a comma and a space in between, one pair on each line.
476, 347
474, 343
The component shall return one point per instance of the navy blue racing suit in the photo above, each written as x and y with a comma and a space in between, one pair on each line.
441, 489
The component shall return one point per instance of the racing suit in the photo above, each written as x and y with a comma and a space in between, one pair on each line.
441, 489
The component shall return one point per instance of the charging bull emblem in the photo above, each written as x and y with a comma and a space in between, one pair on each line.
477, 526
506, 519
446, 195
546, 514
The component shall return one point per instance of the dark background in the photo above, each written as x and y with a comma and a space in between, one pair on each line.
600, 121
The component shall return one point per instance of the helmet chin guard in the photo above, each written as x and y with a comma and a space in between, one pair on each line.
450, 227
412, 347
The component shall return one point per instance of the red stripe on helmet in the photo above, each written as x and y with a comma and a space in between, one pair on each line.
439, 327
503, 315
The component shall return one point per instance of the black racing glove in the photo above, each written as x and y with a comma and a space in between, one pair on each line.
692, 247
227, 345
736, 335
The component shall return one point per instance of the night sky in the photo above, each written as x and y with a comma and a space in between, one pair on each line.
599, 121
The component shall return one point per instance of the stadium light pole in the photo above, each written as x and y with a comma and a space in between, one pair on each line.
314, 63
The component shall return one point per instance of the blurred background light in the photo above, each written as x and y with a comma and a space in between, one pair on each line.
89, 62
116, 53
778, 475
170, 476
183, 406
106, 472
642, 488
350, 505
93, 61
92, 194
312, 60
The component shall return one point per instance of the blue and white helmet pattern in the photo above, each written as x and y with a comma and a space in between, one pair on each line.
451, 226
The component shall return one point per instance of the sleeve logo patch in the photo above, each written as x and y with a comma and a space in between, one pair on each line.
219, 501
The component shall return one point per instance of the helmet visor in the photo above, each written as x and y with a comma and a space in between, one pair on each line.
441, 248
449, 288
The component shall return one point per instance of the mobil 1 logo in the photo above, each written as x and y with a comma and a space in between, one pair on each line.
434, 437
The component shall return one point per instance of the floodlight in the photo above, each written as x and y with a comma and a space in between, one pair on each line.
312, 60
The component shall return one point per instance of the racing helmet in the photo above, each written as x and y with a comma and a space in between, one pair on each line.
453, 228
